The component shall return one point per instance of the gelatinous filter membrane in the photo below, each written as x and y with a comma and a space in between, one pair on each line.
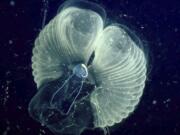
88, 75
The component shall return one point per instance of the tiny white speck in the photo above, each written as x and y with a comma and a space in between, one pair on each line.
10, 42
154, 102
167, 100
19, 107
12, 3
142, 27
175, 29
124, 15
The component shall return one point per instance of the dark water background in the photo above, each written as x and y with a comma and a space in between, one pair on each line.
157, 22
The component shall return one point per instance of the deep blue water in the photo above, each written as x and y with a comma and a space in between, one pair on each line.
156, 22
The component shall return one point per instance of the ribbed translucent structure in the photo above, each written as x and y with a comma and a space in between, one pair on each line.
120, 72
67, 39
117, 70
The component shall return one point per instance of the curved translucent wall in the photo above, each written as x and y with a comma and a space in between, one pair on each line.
87, 75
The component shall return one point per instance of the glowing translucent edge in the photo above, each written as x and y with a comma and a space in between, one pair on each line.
120, 78
66, 39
